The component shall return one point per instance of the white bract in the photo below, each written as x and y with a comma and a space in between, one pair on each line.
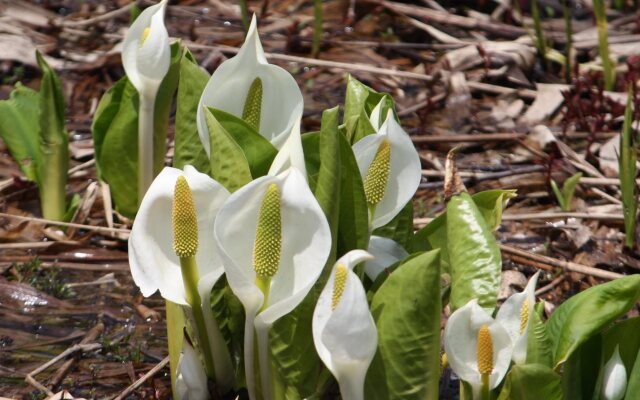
274, 240
291, 154
281, 102
146, 53
146, 56
390, 168
515, 315
191, 381
615, 378
476, 344
154, 263
385, 252
344, 332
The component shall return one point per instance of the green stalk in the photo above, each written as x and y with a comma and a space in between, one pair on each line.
317, 27
609, 72
145, 144
628, 172
537, 26
54, 150
244, 12
175, 336
485, 387
190, 278
568, 26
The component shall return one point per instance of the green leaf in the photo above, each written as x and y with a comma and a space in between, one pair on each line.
633, 385
311, 150
580, 371
229, 166
407, 310
569, 188
353, 228
19, 129
587, 313
474, 254
327, 190
490, 203
360, 100
293, 351
54, 145
400, 228
539, 346
628, 172
532, 382
188, 147
115, 132
258, 151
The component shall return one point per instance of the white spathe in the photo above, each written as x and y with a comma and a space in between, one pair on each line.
146, 57
191, 381
155, 265
510, 315
461, 345
227, 89
615, 378
306, 243
404, 173
385, 252
291, 154
346, 338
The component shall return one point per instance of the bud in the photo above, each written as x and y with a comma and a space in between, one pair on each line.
339, 283
145, 35
485, 351
253, 105
524, 316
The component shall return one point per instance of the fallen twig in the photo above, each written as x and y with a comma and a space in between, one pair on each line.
99, 229
143, 379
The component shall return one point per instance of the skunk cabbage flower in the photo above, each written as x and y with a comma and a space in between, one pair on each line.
390, 170
478, 348
191, 381
146, 56
615, 378
385, 252
514, 314
344, 332
158, 247
154, 263
274, 240
247, 86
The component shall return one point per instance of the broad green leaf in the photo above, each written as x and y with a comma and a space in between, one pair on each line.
360, 100
580, 371
327, 189
474, 254
258, 151
407, 310
188, 147
353, 228
633, 385
19, 129
539, 346
589, 312
54, 145
229, 166
175, 336
293, 353
115, 133
531, 382
490, 203
107, 109
400, 228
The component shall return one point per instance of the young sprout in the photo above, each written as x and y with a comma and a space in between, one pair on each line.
565, 196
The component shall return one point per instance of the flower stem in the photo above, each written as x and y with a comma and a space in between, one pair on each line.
190, 278
485, 387
175, 330
264, 284
145, 144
